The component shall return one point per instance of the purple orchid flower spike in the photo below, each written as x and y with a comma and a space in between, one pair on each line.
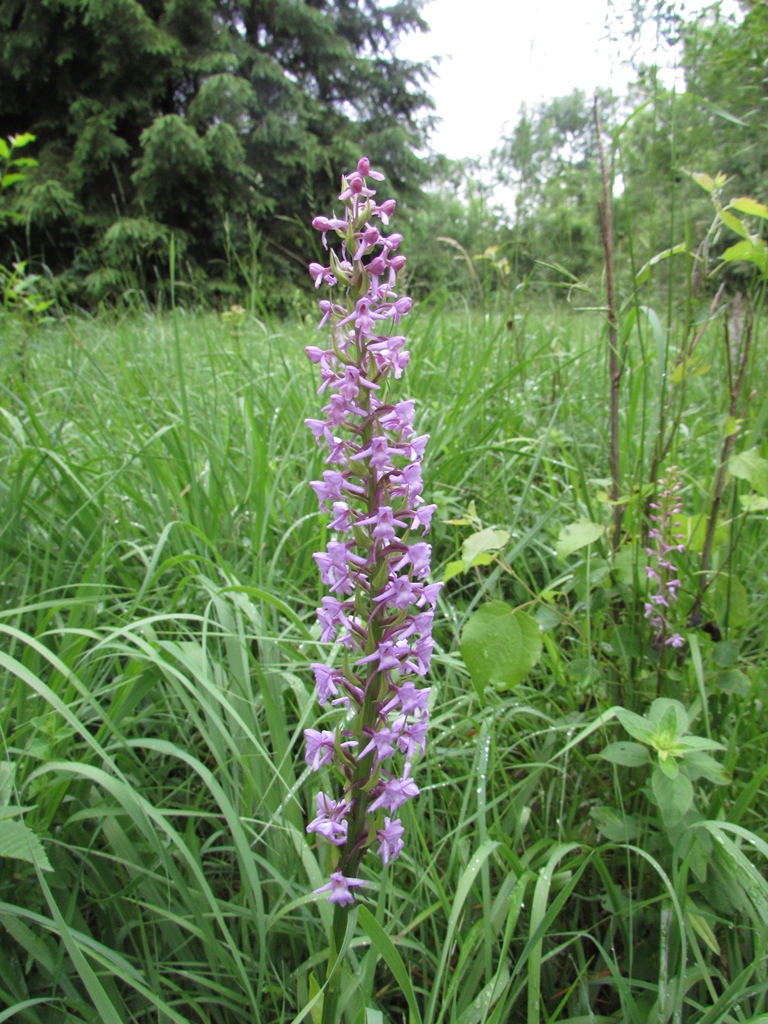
664, 538
379, 608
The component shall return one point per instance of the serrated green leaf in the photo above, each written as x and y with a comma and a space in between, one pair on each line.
734, 223
748, 251
631, 755
19, 842
749, 206
703, 179
577, 535
500, 645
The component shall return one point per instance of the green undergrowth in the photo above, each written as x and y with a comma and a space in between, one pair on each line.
157, 595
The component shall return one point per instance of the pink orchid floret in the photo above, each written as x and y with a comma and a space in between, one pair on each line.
340, 888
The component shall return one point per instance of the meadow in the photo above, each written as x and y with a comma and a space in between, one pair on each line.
578, 853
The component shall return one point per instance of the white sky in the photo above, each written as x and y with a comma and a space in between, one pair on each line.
498, 54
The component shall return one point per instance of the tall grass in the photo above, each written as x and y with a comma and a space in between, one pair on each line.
157, 620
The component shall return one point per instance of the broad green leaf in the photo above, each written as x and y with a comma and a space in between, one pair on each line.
754, 503
752, 467
453, 569
725, 654
485, 541
700, 765
679, 373
669, 766
615, 826
749, 206
21, 843
674, 796
730, 601
629, 564
668, 716
631, 755
694, 530
636, 726
4, 150
500, 645
734, 681
625, 639
577, 535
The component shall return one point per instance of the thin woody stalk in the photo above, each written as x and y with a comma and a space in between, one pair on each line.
664, 444
605, 209
735, 386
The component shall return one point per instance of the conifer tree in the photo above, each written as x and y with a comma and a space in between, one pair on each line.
217, 120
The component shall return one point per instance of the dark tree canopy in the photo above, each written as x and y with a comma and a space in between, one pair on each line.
218, 120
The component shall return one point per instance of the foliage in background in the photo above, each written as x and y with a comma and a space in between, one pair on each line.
227, 138
178, 116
